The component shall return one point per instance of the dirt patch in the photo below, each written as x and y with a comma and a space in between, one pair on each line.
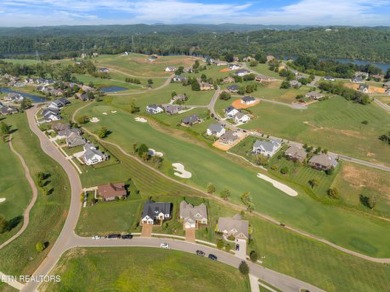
147, 230
371, 89
190, 234
360, 178
225, 70
237, 104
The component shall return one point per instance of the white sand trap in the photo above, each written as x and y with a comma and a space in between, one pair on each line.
94, 120
286, 189
113, 112
105, 114
153, 152
141, 120
180, 171
2, 200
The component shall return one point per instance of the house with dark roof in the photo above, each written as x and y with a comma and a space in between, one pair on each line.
191, 120
357, 79
172, 109
295, 153
323, 161
233, 88
154, 109
363, 88
92, 155
104, 70
59, 126
179, 98
8, 110
229, 137
216, 130
111, 191
231, 111
242, 72
74, 139
192, 216
295, 83
65, 133
266, 147
314, 95
248, 100
59, 103
178, 78
241, 118
156, 212
51, 114
233, 226
329, 78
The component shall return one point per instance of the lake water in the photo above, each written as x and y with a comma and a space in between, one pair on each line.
34, 98
382, 66
113, 89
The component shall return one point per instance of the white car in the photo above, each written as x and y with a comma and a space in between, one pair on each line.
164, 245
96, 237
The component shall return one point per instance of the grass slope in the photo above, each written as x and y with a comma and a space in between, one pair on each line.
143, 269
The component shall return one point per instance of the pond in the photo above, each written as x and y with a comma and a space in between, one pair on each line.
34, 98
110, 89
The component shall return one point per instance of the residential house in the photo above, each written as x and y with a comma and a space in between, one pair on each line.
241, 118
178, 78
156, 211
172, 109
14, 97
92, 155
154, 109
228, 79
74, 139
216, 130
266, 148
234, 67
8, 110
295, 84
314, 95
221, 63
230, 137
111, 191
51, 114
329, 78
386, 85
357, 79
323, 161
82, 96
295, 153
192, 216
263, 78
104, 70
191, 120
234, 226
59, 127
63, 134
364, 75
170, 69
233, 88
242, 72
248, 100
363, 88
152, 58
231, 111
59, 103
179, 98
205, 86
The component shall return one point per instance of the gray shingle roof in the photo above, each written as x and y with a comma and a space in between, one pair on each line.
152, 209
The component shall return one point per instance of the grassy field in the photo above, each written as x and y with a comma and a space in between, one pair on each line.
49, 212
143, 269
335, 124
363, 236
263, 69
14, 188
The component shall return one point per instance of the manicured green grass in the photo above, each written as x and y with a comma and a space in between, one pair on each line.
47, 216
361, 235
272, 91
13, 187
143, 269
335, 124
21, 61
263, 69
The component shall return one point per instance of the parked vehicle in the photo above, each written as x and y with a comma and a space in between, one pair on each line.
200, 253
127, 236
164, 245
213, 257
113, 236
96, 237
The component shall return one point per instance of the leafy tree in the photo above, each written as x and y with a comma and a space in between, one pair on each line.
150, 81
225, 95
134, 108
333, 193
142, 149
25, 104
253, 256
82, 120
173, 94
243, 268
330, 171
228, 247
284, 170
40, 246
210, 188
285, 85
253, 63
103, 132
220, 244
195, 86
4, 128
368, 201
313, 183
225, 194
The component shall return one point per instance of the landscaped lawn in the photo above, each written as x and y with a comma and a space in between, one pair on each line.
335, 124
208, 165
49, 213
143, 269
13, 187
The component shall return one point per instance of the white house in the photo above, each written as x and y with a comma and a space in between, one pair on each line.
170, 69
242, 72
266, 148
154, 109
241, 118
234, 67
230, 112
248, 100
92, 155
215, 130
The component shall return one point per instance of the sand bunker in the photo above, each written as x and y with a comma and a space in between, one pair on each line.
94, 120
153, 152
2, 200
141, 120
113, 112
286, 189
105, 114
180, 171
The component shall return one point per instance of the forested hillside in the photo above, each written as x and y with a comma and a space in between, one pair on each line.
371, 44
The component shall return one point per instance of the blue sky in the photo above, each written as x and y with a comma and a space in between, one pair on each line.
305, 12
